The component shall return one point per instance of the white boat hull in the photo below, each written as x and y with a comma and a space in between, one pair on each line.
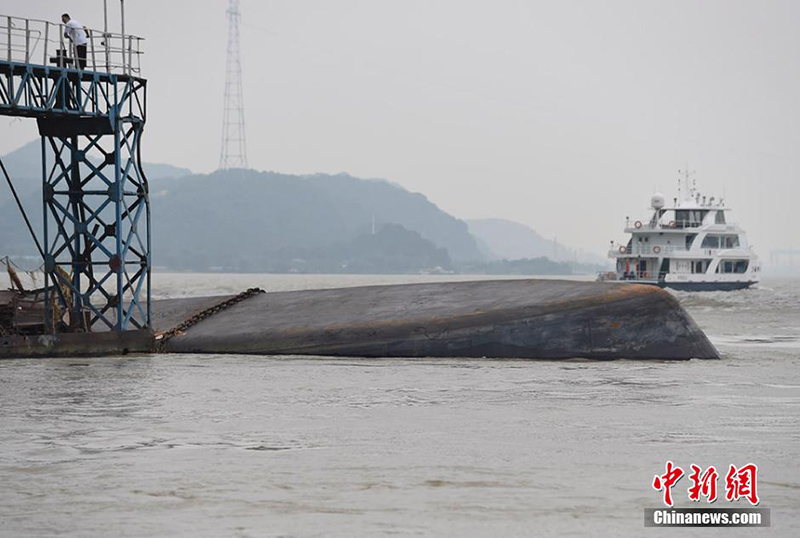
698, 286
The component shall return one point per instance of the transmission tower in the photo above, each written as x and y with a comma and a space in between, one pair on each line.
234, 150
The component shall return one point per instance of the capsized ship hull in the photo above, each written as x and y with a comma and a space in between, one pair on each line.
536, 319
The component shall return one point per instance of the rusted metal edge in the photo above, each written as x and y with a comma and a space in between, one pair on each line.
77, 344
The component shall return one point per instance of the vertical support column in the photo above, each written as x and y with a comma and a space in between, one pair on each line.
78, 226
45, 59
9, 25
27, 41
48, 267
96, 201
117, 260
149, 252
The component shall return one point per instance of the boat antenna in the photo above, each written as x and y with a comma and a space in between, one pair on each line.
690, 187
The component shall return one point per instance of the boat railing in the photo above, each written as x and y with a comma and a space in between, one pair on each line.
605, 276
672, 225
643, 276
34, 41
638, 225
646, 250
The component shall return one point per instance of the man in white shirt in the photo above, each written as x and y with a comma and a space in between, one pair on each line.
75, 32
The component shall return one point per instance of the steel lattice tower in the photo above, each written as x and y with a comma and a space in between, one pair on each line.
234, 150
96, 244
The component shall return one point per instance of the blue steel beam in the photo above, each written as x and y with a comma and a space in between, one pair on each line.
95, 196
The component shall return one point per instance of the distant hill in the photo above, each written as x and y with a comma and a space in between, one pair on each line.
156, 171
391, 249
24, 165
241, 219
228, 217
525, 266
509, 240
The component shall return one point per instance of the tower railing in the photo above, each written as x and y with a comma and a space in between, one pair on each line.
35, 41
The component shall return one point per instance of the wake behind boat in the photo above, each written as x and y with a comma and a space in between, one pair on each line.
686, 245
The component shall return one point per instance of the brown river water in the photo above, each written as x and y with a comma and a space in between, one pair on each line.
188, 445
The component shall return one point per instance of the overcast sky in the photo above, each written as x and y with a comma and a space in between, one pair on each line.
562, 115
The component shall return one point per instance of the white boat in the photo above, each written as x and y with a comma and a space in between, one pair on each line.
686, 245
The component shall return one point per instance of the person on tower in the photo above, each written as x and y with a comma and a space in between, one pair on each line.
76, 32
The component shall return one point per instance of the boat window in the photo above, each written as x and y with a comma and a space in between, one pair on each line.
689, 218
721, 241
733, 266
690, 240
719, 218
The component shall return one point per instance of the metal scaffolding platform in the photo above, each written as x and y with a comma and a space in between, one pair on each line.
96, 229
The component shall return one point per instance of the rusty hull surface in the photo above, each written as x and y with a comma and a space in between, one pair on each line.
537, 319
76, 344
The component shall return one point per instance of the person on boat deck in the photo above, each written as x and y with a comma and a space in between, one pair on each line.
76, 32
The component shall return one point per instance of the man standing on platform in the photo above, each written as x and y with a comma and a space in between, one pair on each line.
75, 32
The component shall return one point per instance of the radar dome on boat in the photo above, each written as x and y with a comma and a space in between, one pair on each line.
657, 201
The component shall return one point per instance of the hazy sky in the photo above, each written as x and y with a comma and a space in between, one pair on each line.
562, 115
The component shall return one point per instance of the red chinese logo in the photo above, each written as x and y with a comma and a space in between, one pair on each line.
703, 484
740, 483
667, 480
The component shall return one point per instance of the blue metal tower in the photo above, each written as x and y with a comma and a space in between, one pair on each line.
90, 106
